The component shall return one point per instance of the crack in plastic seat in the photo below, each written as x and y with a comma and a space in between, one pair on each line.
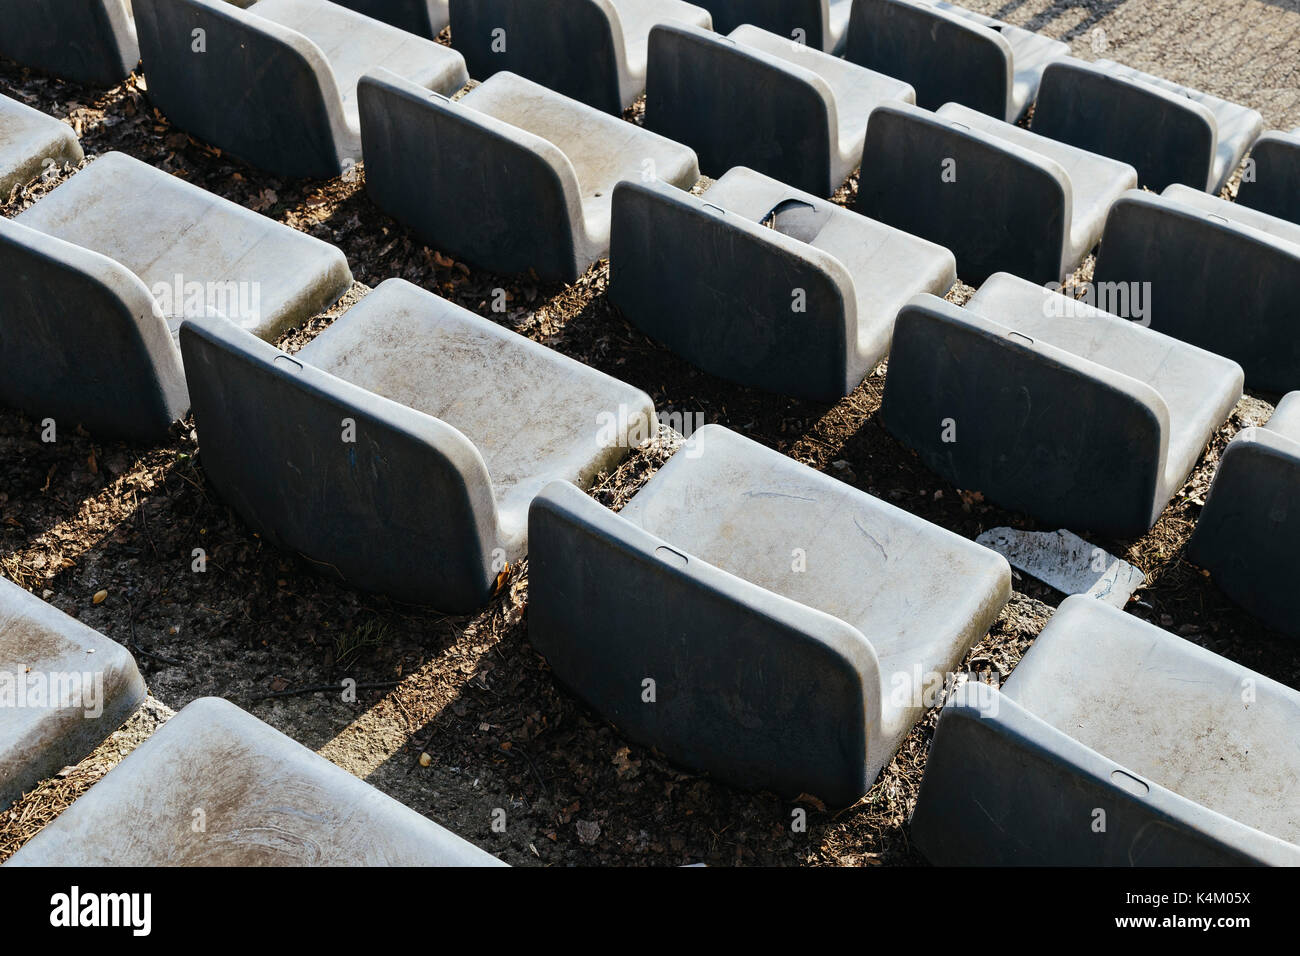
760, 100
276, 84
456, 423
1053, 407
952, 55
29, 139
1169, 133
553, 161
788, 624
424, 18
593, 51
822, 24
1220, 275
1274, 185
87, 684
1001, 198
1247, 532
1114, 743
265, 800
88, 41
804, 307
100, 272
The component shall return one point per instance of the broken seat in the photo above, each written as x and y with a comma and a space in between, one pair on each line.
800, 295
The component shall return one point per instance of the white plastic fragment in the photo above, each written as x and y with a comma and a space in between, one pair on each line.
1066, 562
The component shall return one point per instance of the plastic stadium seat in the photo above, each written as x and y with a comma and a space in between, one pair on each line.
1114, 743
760, 100
553, 164
1169, 133
786, 626
99, 273
821, 24
408, 440
425, 18
89, 41
952, 55
63, 689
1273, 186
591, 50
265, 801
1050, 406
800, 295
1246, 535
1000, 197
1220, 275
276, 84
29, 140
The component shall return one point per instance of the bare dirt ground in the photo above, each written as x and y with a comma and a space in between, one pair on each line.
263, 628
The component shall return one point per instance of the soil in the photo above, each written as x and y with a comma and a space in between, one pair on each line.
468, 695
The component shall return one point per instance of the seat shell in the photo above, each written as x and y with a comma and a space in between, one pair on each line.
266, 801
1113, 743
760, 670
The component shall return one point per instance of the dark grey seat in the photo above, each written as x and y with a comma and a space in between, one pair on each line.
265, 800
951, 55
65, 688
1169, 133
593, 51
1273, 185
766, 285
29, 140
1054, 407
1114, 743
821, 24
102, 270
276, 84
753, 618
408, 440
1246, 534
1219, 275
760, 100
89, 41
424, 18
1001, 198
555, 163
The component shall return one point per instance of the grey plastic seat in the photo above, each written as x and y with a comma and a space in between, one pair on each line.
800, 295
89, 41
100, 271
777, 617
1274, 185
1171, 134
29, 139
1220, 275
1001, 198
424, 18
277, 83
64, 689
952, 55
591, 50
820, 24
408, 440
554, 165
1246, 535
757, 99
1053, 407
1114, 743
262, 800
